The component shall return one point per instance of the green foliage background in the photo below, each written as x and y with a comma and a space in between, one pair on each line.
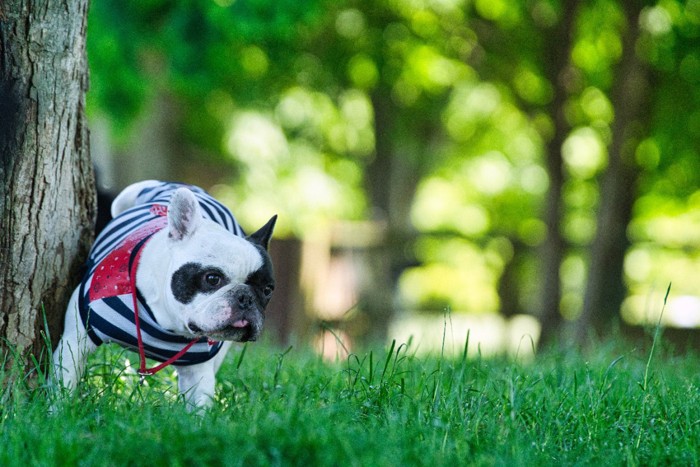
285, 95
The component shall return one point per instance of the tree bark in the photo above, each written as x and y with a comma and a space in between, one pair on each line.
46, 178
605, 287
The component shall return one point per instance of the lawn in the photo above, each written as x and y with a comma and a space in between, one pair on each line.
612, 406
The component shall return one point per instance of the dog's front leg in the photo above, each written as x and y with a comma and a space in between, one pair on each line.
197, 384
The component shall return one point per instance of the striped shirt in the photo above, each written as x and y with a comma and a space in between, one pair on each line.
106, 298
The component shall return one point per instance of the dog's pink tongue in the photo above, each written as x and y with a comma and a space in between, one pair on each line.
241, 323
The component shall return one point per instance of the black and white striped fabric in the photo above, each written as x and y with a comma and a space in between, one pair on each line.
106, 300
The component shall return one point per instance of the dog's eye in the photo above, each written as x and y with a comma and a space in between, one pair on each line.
212, 279
267, 291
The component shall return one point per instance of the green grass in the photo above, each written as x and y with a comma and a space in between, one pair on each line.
278, 407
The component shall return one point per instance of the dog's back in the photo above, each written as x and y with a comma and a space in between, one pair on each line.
127, 198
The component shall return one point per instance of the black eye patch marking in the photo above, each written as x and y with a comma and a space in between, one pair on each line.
262, 281
193, 278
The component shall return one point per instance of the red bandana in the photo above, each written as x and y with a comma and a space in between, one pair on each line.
111, 277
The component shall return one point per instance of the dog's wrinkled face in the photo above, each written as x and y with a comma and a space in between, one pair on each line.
219, 283
226, 298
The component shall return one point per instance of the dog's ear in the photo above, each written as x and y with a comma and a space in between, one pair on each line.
184, 215
263, 235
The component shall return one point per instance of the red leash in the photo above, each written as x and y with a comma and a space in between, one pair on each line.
143, 371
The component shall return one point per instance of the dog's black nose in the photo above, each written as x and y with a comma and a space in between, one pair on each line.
244, 299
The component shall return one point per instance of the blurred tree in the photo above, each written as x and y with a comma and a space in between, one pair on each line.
530, 48
575, 48
631, 97
46, 178
655, 97
558, 71
393, 64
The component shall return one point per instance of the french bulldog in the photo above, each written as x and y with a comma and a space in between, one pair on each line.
173, 277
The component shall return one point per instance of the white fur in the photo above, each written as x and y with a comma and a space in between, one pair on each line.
127, 197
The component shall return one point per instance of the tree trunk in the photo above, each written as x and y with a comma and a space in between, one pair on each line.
557, 68
508, 286
605, 288
376, 296
46, 178
392, 179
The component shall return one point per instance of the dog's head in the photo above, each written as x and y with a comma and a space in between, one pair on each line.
217, 284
